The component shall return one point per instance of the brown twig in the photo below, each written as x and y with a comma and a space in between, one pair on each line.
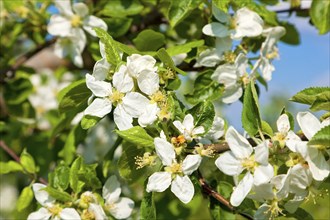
9, 151
211, 192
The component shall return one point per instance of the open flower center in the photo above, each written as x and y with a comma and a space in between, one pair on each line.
157, 97
294, 159
232, 23
146, 160
55, 210
175, 169
249, 163
116, 96
76, 21
87, 215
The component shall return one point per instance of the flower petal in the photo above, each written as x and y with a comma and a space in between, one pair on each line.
183, 188
91, 21
99, 108
122, 209
122, 81
165, 151
69, 214
188, 122
41, 214
283, 124
111, 189
64, 7
136, 63
263, 174
229, 164
232, 93
262, 153
101, 69
41, 195
191, 163
59, 26
99, 88
248, 24
240, 147
241, 190
122, 119
225, 74
80, 9
317, 164
263, 213
149, 116
208, 58
216, 29
159, 182
134, 104
148, 82
98, 211
308, 123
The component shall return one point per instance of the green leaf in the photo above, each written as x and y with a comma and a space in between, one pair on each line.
10, 166
61, 177
322, 137
75, 184
300, 214
184, 48
13, 5
222, 4
251, 119
111, 50
147, 208
179, 10
58, 195
173, 84
88, 175
320, 13
166, 58
89, 121
149, 40
25, 198
27, 162
118, 26
74, 96
204, 89
137, 135
75, 137
203, 114
266, 128
120, 8
225, 189
18, 90
291, 36
322, 102
309, 95
175, 107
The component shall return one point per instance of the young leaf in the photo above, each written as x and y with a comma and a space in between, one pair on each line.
27, 162
203, 114
111, 50
180, 10
10, 166
322, 102
25, 198
122, 9
266, 128
322, 137
89, 121
184, 48
87, 174
300, 214
58, 195
61, 177
165, 58
251, 119
308, 96
147, 208
320, 12
75, 184
137, 135
74, 96
149, 40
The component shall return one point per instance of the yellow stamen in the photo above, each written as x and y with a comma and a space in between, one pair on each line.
116, 96
249, 163
55, 210
87, 215
157, 97
76, 21
146, 160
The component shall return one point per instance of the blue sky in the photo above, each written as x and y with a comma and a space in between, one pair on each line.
299, 67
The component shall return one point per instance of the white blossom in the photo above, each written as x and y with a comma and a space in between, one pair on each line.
188, 129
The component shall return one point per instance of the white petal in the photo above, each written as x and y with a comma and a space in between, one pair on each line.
64, 7
241, 190
241, 63
263, 174
263, 213
137, 63
216, 29
191, 163
98, 211
80, 9
60, 48
159, 182
76, 57
101, 69
165, 151
232, 94
91, 21
317, 164
208, 58
111, 189
283, 124
197, 130
240, 147
308, 123
292, 140
229, 164
225, 74
41, 214
148, 82
122, 119
99, 88
69, 214
301, 178
223, 44
102, 49
217, 129
179, 126
134, 103
41, 195
220, 15
59, 26
149, 116
183, 188
249, 24
266, 68
262, 153
99, 108
188, 122
78, 39
292, 205
122, 209
262, 192
122, 81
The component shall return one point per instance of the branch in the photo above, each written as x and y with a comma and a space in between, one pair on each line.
290, 10
211, 192
9, 151
10, 71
